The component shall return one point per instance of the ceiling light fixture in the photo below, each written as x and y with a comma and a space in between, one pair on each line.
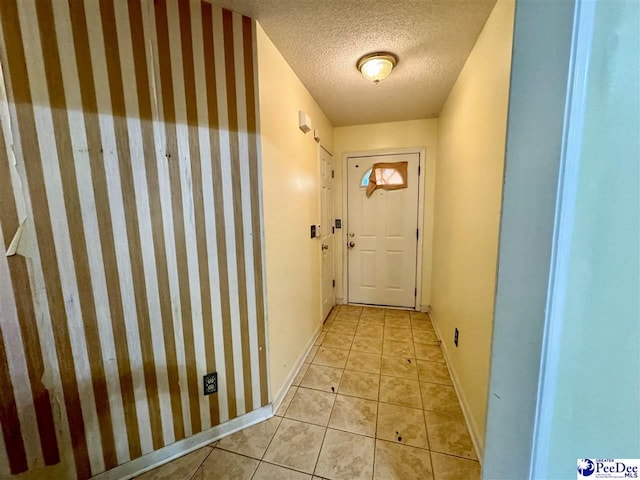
377, 66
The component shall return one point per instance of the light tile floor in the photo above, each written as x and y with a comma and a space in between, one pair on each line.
373, 401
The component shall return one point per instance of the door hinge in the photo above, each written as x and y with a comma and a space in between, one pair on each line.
333, 283
417, 233
333, 230
415, 292
418, 169
332, 173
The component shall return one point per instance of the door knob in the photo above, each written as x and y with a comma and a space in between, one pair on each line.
351, 244
325, 247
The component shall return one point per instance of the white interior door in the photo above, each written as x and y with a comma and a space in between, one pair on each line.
326, 232
382, 235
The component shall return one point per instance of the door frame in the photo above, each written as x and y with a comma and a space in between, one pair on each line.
421, 152
332, 245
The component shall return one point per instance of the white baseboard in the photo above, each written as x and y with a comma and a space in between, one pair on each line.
182, 447
277, 400
340, 301
425, 308
478, 441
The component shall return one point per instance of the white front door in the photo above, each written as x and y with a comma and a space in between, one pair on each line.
326, 232
382, 235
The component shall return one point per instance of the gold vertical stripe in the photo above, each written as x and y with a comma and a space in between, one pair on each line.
157, 223
9, 421
119, 113
227, 21
57, 99
32, 159
173, 158
26, 318
105, 227
198, 201
216, 171
249, 75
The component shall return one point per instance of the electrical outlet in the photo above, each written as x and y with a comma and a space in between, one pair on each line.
455, 337
210, 382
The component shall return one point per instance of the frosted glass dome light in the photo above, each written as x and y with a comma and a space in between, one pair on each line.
377, 66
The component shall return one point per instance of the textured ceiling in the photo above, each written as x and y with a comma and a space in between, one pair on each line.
322, 40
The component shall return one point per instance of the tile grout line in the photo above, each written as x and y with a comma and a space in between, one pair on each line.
237, 453
377, 402
261, 459
268, 445
201, 463
375, 431
326, 428
286, 468
424, 415
375, 442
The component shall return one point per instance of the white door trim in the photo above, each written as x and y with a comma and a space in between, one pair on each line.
332, 241
568, 178
421, 151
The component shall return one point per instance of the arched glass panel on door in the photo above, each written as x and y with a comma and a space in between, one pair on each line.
365, 179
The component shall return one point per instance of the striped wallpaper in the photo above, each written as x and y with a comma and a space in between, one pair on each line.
130, 229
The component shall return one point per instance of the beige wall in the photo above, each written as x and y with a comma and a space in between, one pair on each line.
378, 136
471, 149
290, 172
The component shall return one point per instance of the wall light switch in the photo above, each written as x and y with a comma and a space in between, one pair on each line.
313, 231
